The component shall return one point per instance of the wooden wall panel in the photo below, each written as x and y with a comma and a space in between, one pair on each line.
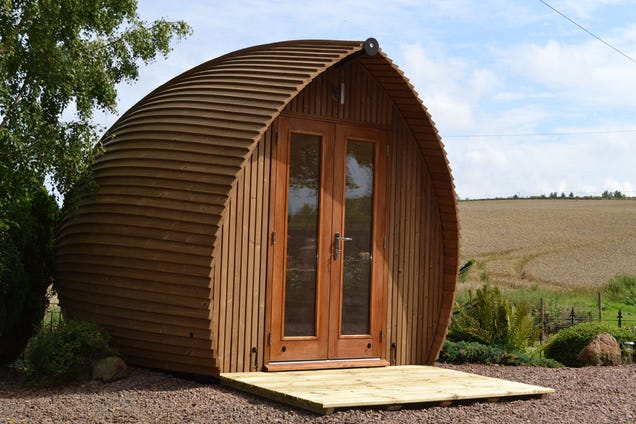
240, 264
364, 100
415, 253
137, 266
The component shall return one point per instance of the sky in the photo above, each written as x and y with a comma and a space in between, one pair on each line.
525, 101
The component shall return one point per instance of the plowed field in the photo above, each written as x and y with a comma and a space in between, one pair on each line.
558, 244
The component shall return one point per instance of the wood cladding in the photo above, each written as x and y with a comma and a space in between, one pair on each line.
415, 254
240, 266
364, 99
172, 252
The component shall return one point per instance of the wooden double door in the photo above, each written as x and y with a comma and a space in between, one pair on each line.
327, 295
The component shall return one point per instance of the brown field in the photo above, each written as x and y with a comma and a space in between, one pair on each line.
557, 244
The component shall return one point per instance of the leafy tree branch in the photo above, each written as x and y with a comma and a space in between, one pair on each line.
59, 56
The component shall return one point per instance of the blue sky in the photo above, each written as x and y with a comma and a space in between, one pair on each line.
526, 102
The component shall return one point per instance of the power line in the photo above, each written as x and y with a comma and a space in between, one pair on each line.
591, 33
539, 134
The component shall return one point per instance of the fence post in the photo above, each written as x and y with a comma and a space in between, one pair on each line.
572, 316
600, 306
542, 308
620, 318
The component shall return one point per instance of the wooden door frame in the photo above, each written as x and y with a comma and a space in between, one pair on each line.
278, 194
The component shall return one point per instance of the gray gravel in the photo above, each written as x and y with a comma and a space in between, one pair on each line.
583, 395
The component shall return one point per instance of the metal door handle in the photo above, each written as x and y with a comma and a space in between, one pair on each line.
336, 252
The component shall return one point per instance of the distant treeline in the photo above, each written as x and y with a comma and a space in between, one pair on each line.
555, 195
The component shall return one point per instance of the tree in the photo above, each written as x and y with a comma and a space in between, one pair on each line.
26, 260
60, 60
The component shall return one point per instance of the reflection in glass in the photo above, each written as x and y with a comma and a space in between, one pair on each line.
302, 235
356, 282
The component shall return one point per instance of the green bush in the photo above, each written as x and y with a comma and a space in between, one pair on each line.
487, 318
477, 353
64, 353
26, 265
565, 345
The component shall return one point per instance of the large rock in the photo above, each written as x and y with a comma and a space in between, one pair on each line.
110, 369
602, 350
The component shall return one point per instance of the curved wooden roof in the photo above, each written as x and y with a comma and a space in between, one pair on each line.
171, 160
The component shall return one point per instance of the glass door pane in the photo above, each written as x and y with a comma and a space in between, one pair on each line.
358, 226
303, 204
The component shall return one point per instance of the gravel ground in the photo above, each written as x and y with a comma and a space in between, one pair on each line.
583, 395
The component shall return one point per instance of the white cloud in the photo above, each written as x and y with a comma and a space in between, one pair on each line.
494, 67
582, 8
508, 166
450, 87
589, 72
625, 187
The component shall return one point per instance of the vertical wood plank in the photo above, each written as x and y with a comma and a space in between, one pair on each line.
256, 216
223, 309
248, 256
395, 254
426, 283
263, 232
416, 340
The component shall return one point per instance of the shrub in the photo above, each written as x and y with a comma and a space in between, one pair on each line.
565, 345
64, 352
487, 318
26, 262
477, 353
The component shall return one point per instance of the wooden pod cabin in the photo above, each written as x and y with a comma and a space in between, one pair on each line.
285, 206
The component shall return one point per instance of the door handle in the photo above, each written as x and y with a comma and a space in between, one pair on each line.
336, 252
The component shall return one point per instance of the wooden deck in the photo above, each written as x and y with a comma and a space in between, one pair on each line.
322, 391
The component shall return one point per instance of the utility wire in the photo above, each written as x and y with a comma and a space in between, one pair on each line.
590, 32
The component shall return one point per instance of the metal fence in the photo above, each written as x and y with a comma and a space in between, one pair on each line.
552, 324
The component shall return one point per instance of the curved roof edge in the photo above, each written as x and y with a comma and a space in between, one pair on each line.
259, 81
230, 101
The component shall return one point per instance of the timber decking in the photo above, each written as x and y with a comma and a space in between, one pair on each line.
322, 391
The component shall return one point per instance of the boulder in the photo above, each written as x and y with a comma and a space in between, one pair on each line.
602, 350
110, 369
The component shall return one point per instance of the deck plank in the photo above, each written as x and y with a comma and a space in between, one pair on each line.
322, 391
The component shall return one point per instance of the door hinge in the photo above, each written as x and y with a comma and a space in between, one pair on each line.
269, 337
381, 336
384, 243
273, 237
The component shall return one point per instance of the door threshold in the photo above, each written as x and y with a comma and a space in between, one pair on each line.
325, 364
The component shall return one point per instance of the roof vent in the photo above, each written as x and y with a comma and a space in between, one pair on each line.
371, 46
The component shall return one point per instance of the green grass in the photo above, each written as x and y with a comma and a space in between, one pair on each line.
52, 316
558, 303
